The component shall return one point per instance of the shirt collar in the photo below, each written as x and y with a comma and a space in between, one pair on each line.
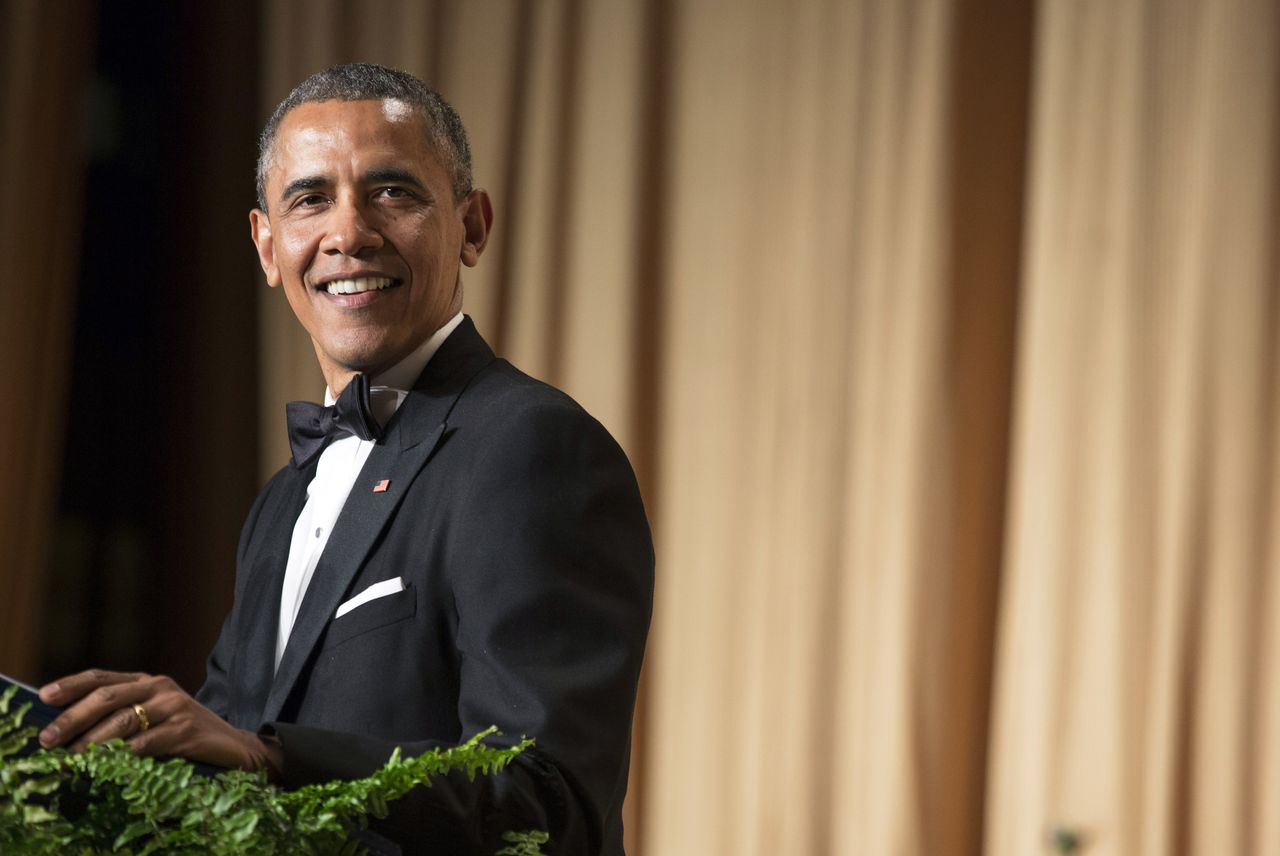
388, 389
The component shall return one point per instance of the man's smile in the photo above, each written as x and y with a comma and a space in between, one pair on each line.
358, 285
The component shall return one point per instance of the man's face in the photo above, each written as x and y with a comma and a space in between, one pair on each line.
363, 232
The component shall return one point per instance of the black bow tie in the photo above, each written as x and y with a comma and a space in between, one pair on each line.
312, 426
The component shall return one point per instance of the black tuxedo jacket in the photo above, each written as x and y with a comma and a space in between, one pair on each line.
514, 521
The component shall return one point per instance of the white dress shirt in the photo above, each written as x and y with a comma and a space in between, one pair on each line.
336, 471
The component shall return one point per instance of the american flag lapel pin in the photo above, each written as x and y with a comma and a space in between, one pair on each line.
381, 487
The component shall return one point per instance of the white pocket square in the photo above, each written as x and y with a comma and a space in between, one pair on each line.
373, 592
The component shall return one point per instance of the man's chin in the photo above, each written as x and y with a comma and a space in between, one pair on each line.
369, 360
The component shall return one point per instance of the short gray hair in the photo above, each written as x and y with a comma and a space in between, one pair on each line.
364, 81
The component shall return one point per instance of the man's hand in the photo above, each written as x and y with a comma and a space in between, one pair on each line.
100, 705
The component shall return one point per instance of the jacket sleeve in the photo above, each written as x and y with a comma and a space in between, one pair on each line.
215, 694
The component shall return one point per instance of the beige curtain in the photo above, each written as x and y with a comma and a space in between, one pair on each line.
41, 174
838, 360
1137, 667
943, 335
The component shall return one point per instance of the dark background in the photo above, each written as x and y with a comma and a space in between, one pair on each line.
161, 454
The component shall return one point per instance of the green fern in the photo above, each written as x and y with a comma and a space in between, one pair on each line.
108, 800
523, 843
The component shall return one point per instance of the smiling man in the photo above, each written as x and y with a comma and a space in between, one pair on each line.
454, 544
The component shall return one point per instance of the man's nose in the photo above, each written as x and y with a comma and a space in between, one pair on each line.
350, 231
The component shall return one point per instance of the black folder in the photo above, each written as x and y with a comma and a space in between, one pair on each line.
40, 713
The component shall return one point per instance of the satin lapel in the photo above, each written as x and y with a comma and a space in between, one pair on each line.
260, 599
411, 437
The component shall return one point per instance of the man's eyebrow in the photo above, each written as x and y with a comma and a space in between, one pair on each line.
310, 182
391, 173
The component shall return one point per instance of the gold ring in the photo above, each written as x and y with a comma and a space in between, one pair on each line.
142, 717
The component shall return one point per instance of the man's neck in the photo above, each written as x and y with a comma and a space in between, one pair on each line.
402, 373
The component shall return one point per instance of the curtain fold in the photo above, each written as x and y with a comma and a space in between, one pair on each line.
41, 171
801, 428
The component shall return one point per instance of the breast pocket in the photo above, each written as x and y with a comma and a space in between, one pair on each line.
377, 613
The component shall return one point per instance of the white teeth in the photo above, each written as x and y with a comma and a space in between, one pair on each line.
358, 286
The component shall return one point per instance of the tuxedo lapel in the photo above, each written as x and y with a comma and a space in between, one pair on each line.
260, 601
411, 436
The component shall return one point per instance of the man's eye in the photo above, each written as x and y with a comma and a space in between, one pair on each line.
307, 201
393, 192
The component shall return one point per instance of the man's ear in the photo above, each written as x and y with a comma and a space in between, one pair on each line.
477, 219
260, 234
